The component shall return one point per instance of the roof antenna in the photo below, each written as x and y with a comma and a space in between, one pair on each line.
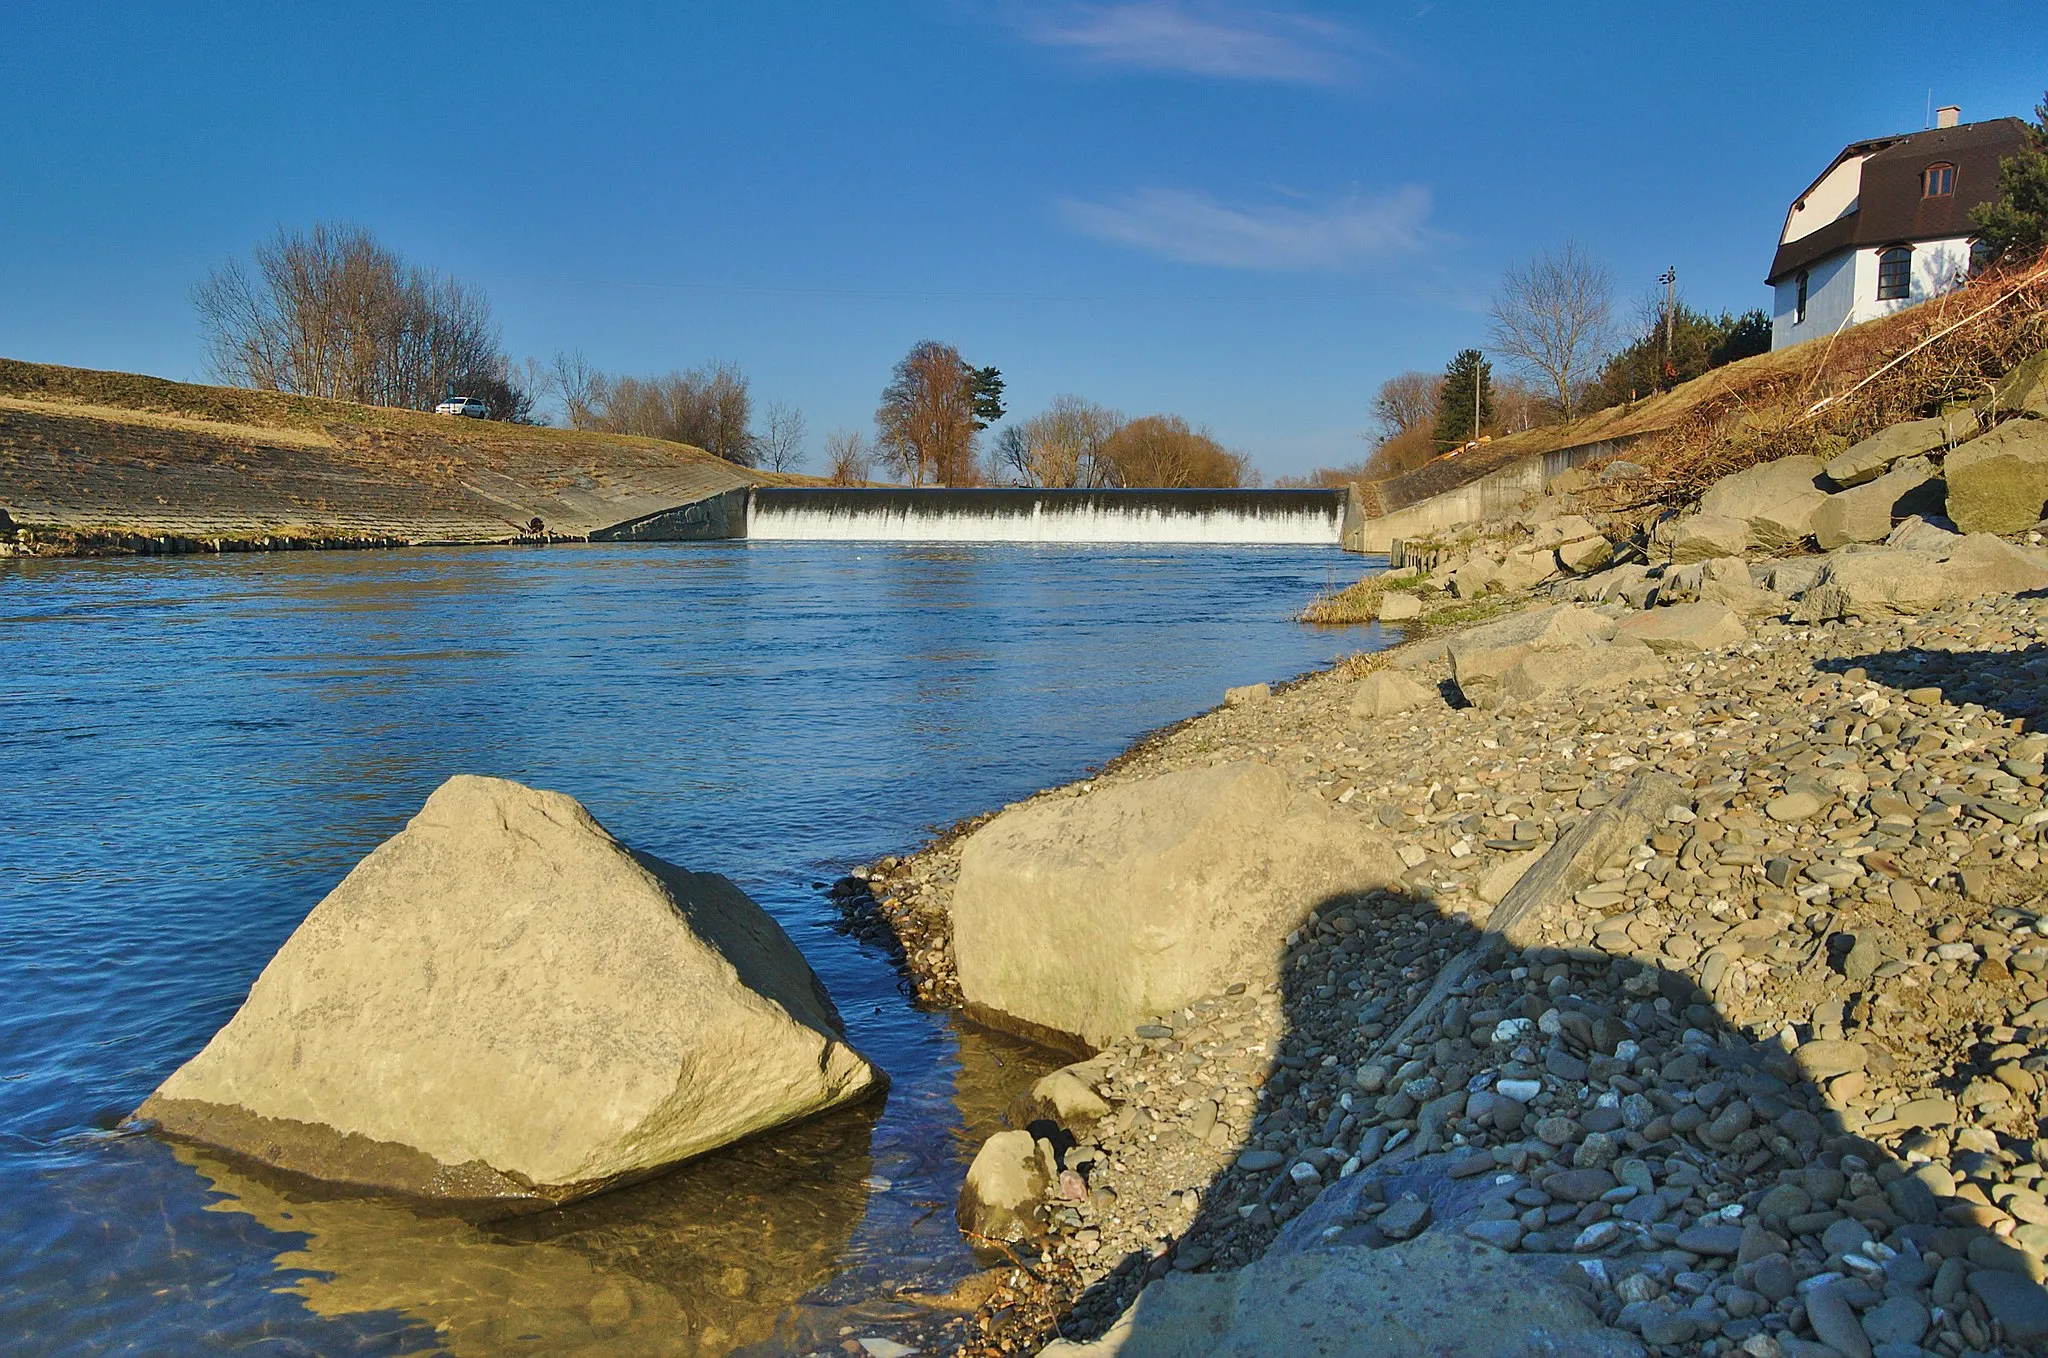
1930, 110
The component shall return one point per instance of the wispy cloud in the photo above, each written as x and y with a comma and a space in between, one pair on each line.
1193, 228
1195, 37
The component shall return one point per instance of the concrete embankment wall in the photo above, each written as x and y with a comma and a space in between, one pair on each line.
1497, 494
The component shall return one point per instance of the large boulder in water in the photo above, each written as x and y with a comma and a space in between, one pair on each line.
504, 1002
1079, 917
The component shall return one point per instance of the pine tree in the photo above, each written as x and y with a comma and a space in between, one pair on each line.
1468, 376
987, 386
2015, 223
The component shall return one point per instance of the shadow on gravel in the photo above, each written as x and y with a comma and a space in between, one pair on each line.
2012, 683
1464, 1143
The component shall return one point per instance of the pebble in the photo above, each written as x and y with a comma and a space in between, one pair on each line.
1835, 1323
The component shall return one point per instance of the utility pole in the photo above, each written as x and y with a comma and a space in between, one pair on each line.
1669, 278
1477, 368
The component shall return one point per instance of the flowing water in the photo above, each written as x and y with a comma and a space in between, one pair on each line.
196, 750
899, 514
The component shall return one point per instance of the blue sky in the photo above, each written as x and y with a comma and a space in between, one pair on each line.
1248, 214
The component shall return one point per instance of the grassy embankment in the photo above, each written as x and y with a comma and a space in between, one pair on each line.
92, 457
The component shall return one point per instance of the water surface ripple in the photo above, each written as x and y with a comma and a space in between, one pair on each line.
197, 750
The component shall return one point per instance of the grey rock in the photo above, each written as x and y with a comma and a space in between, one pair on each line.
1720, 1241
1663, 1327
1564, 1065
1405, 1219
2016, 1302
1361, 1302
1775, 501
1999, 483
1834, 1322
1504, 1235
1868, 460
1579, 1185
1846, 1236
1898, 1320
1867, 513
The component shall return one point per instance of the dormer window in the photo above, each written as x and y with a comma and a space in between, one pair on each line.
1939, 181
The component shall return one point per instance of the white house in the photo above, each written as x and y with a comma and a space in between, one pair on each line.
1886, 225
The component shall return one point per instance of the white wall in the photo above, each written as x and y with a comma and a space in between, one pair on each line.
1842, 289
1830, 297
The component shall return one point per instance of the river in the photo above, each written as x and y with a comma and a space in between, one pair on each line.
196, 750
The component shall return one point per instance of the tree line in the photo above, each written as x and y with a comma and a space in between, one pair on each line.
1553, 323
329, 311
929, 424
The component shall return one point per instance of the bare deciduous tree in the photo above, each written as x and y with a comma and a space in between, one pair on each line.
1552, 317
1060, 446
330, 312
1406, 401
573, 381
782, 437
927, 421
848, 459
710, 408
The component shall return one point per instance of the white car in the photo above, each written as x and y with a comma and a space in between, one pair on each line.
464, 405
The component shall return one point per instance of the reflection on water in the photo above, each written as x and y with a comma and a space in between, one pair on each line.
695, 1263
198, 750
700, 1261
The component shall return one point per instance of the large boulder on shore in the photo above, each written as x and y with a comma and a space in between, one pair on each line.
2025, 388
1775, 499
1685, 629
1080, 917
1894, 582
1868, 511
1704, 537
1480, 656
1575, 669
1436, 1294
1999, 483
504, 1002
1874, 456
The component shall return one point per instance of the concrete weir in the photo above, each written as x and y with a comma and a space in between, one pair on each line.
887, 514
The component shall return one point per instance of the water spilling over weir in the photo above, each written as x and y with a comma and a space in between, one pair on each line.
1306, 517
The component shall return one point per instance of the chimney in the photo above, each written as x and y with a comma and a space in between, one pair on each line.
1948, 115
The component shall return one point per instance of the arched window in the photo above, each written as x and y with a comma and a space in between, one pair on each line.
1799, 315
1895, 273
1939, 181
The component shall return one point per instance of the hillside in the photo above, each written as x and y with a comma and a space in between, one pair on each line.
1725, 418
110, 457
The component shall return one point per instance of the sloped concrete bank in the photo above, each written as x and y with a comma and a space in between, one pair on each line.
1709, 999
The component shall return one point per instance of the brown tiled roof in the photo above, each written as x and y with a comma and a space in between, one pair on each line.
1890, 208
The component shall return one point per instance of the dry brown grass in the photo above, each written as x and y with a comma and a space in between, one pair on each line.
1816, 397
149, 419
278, 417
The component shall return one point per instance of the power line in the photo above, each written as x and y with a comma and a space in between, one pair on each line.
935, 294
